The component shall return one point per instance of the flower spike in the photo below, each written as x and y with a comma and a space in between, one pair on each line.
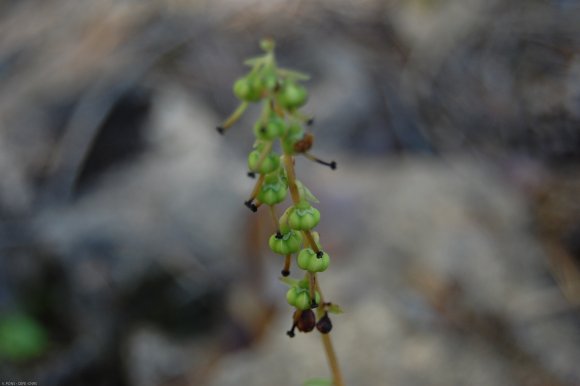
281, 125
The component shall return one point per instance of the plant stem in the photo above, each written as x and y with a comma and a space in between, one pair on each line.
312, 287
287, 263
274, 218
235, 115
311, 241
289, 165
332, 361
257, 186
326, 339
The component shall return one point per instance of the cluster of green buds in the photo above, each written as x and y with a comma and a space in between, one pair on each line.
281, 127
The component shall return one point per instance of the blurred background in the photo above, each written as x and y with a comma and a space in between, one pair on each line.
127, 256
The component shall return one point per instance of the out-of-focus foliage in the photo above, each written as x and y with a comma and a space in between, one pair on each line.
21, 337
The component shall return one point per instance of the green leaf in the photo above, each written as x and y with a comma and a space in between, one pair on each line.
318, 382
334, 309
254, 61
309, 196
293, 74
305, 193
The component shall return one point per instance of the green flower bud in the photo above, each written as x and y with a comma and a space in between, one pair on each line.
303, 301
242, 88
288, 244
273, 190
267, 44
300, 298
308, 261
269, 80
295, 133
303, 217
245, 89
292, 95
274, 128
270, 163
291, 296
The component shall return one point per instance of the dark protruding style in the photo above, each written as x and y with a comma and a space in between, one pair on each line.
290, 332
331, 164
251, 206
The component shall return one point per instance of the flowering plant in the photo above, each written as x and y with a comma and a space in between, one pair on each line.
281, 123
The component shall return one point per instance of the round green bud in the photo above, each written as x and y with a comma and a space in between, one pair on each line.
242, 88
273, 192
291, 295
288, 244
303, 217
270, 163
292, 95
303, 301
300, 298
245, 89
269, 80
274, 128
257, 84
267, 44
308, 261
294, 134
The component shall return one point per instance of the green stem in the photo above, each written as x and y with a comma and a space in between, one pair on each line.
257, 186
274, 218
234, 117
311, 241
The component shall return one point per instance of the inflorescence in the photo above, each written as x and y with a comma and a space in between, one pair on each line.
281, 124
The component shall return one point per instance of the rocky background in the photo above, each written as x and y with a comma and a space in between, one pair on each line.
127, 257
